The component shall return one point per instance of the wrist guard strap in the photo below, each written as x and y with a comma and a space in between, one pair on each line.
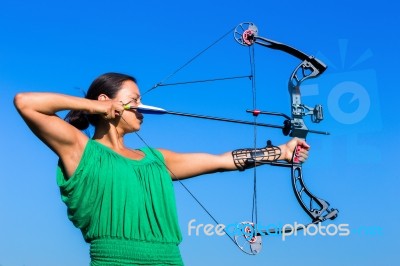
249, 158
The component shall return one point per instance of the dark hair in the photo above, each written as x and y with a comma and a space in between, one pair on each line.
108, 84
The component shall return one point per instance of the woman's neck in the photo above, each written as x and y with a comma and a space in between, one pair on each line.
110, 137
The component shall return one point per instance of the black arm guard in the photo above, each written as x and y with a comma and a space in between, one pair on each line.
249, 158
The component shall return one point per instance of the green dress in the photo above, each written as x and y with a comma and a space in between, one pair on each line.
125, 208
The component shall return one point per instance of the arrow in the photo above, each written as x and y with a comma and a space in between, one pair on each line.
148, 109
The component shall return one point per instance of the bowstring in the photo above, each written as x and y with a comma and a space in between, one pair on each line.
254, 213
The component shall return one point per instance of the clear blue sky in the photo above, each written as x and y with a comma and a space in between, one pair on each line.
62, 46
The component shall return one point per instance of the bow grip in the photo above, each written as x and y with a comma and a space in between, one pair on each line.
295, 157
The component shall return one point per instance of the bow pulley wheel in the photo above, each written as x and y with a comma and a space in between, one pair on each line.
246, 238
245, 32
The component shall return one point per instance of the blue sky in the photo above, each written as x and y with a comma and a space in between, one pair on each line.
62, 46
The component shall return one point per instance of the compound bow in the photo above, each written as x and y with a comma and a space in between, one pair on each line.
318, 209
246, 34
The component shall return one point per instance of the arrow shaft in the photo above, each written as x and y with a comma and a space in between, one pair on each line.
147, 109
236, 121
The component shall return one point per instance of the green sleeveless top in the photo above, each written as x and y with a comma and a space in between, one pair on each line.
124, 208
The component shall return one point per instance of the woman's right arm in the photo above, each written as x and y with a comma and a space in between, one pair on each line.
39, 112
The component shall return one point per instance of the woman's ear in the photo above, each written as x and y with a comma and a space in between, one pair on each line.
102, 97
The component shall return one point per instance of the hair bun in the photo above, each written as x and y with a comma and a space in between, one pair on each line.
78, 119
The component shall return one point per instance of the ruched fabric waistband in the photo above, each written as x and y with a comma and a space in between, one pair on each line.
119, 252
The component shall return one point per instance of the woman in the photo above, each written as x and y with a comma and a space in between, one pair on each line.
120, 198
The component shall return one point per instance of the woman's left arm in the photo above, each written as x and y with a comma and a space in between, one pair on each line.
185, 165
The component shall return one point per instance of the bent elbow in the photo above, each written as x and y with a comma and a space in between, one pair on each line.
21, 101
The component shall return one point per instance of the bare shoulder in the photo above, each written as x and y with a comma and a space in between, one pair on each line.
167, 153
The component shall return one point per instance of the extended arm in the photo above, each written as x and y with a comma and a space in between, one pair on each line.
185, 165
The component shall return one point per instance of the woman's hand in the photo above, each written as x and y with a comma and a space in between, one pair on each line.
108, 108
297, 146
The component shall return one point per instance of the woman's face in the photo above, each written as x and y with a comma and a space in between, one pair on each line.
129, 94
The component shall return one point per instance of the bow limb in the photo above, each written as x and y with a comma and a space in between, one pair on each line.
317, 209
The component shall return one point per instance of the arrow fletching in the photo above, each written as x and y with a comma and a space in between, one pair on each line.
146, 109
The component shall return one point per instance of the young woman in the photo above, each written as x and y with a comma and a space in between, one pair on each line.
122, 199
